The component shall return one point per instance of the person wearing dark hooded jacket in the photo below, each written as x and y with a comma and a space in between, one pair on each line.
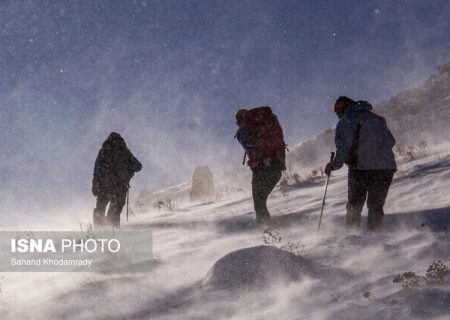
364, 143
114, 167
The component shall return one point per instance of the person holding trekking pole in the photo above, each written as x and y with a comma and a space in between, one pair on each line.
261, 136
114, 167
364, 143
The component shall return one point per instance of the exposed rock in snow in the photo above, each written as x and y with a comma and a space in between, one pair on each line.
261, 266
202, 187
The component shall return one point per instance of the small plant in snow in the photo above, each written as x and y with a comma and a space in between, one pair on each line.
166, 205
218, 195
140, 206
423, 145
86, 227
159, 205
1, 279
436, 272
335, 297
312, 177
131, 212
271, 236
157, 259
408, 152
297, 178
411, 152
407, 279
284, 186
288, 179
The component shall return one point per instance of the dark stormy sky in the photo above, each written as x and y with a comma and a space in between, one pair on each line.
169, 76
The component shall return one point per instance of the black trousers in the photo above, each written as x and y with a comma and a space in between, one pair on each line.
264, 180
372, 185
116, 202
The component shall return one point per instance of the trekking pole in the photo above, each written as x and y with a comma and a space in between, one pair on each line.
245, 155
325, 193
128, 196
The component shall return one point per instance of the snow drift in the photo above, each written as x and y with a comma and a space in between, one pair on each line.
262, 266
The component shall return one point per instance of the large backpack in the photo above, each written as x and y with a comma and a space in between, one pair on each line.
266, 129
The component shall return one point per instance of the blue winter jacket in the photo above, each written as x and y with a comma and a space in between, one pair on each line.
363, 140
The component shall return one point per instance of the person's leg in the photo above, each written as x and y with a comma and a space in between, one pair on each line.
99, 211
357, 192
271, 179
378, 188
115, 208
263, 182
259, 202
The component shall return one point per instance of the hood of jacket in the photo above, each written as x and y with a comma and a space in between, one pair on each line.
360, 105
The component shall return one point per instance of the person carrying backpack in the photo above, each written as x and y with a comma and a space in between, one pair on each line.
261, 136
364, 143
114, 167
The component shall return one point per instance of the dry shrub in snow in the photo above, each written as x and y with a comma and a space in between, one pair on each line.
412, 152
436, 272
271, 236
166, 205
284, 187
407, 279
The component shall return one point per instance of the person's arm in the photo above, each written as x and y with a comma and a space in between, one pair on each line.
345, 133
97, 173
99, 164
391, 140
249, 145
136, 165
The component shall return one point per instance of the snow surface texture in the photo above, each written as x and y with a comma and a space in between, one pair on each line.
211, 261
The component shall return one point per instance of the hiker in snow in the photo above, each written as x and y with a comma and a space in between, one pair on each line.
364, 143
261, 136
114, 168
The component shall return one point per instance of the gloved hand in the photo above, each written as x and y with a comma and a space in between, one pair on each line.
95, 188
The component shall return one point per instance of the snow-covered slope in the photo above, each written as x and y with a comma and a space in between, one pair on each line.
212, 262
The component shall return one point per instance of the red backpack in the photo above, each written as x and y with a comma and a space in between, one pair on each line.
269, 135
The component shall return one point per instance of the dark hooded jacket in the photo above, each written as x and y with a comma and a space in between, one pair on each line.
115, 165
363, 140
